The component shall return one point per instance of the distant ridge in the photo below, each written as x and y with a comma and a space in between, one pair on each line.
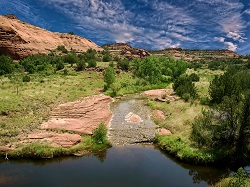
19, 39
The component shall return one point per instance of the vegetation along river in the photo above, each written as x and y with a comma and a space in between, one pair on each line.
127, 163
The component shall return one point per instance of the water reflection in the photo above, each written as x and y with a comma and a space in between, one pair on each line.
118, 166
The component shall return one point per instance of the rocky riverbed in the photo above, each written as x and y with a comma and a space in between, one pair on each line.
131, 122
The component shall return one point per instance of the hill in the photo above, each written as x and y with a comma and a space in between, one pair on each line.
19, 39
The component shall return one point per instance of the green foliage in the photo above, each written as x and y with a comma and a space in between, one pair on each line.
194, 77
175, 146
238, 179
109, 77
107, 57
39, 63
156, 69
26, 78
183, 86
6, 65
92, 63
71, 33
62, 49
80, 65
99, 134
89, 55
186, 97
115, 87
123, 64
71, 58
59, 64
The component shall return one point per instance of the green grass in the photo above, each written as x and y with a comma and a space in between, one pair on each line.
22, 113
42, 150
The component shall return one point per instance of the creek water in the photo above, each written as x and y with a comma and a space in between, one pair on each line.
122, 165
133, 165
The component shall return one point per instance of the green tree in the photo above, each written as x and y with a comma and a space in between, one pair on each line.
109, 77
6, 65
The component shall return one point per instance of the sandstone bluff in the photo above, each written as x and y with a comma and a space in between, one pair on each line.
19, 39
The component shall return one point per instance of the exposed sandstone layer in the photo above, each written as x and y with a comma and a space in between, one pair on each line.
126, 51
81, 116
19, 39
65, 140
161, 95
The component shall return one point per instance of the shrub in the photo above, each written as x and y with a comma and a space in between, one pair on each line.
115, 87
59, 65
80, 65
123, 64
194, 77
185, 96
99, 134
92, 63
6, 65
65, 72
62, 49
26, 78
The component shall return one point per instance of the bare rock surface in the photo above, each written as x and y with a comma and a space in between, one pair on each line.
164, 131
161, 94
65, 140
19, 39
133, 118
158, 114
81, 116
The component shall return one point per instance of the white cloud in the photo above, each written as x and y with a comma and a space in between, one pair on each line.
231, 46
219, 39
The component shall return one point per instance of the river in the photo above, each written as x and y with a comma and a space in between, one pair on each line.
134, 165
127, 163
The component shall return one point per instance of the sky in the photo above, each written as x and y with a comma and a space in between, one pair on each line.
147, 24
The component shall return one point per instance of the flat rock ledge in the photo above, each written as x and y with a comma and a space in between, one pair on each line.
81, 116
159, 115
65, 140
162, 95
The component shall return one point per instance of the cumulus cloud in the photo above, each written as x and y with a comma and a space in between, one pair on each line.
231, 46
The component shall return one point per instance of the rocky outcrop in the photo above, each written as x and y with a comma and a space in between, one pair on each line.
161, 95
65, 140
195, 55
81, 116
126, 51
19, 39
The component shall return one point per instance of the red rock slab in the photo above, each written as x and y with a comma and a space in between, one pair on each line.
158, 114
81, 116
133, 118
164, 131
65, 140
161, 94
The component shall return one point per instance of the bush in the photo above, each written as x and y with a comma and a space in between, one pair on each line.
26, 78
115, 87
186, 97
183, 85
6, 65
59, 65
92, 63
80, 65
194, 77
62, 49
99, 134
123, 64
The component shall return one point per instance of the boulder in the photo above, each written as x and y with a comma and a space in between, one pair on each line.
164, 131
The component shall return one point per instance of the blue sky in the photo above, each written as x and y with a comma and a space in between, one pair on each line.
148, 24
